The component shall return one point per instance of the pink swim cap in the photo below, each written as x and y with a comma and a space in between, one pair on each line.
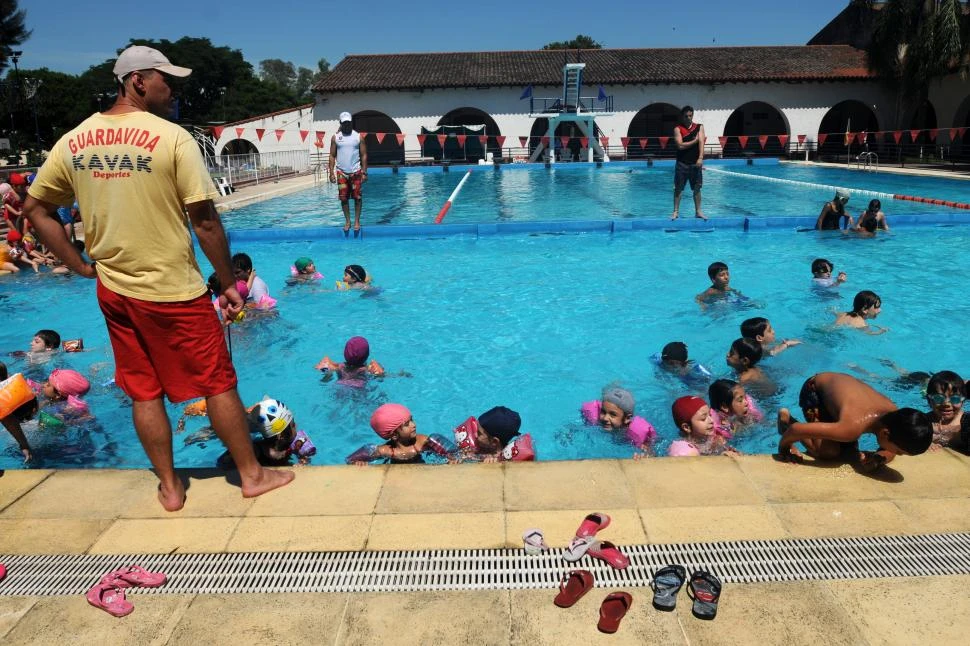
242, 288
69, 382
388, 418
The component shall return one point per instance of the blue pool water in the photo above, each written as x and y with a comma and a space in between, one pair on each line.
539, 323
584, 192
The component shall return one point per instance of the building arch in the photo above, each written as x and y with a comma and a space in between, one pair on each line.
961, 119
565, 129
239, 147
379, 153
852, 115
753, 119
472, 150
922, 117
654, 120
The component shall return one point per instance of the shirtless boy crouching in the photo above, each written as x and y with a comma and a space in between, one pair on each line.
839, 409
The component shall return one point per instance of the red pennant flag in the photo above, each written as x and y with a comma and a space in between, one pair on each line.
897, 136
763, 140
421, 139
400, 138
962, 130
743, 140
663, 142
321, 134
783, 140
913, 134
849, 136
625, 142
279, 134
483, 140
500, 140
303, 134
822, 136
380, 136
953, 134
239, 132
584, 142
723, 141
461, 140
523, 141
564, 140
933, 133
259, 133
544, 141
861, 138
644, 142
442, 139
217, 131
801, 139
363, 135
605, 142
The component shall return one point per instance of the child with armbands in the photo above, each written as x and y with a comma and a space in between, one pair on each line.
18, 403
394, 424
614, 413
494, 436
42, 347
303, 271
731, 407
355, 369
945, 394
692, 417
743, 358
17, 253
258, 297
759, 329
279, 440
355, 277
822, 278
673, 359
62, 391
215, 291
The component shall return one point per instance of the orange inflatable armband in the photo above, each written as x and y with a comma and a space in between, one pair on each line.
14, 393
197, 407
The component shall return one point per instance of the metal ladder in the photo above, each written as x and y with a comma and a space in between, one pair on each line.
572, 83
867, 161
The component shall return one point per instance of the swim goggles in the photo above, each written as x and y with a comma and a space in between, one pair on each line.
937, 399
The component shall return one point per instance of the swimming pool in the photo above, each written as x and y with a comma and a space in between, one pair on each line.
539, 323
529, 192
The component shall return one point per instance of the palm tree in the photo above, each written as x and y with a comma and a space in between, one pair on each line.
12, 30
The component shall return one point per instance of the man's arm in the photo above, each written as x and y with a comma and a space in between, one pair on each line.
333, 157
212, 239
701, 138
821, 216
679, 140
43, 217
363, 157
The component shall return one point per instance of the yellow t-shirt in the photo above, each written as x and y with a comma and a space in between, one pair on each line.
132, 174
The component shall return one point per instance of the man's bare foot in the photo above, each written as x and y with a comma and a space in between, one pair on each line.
675, 215
172, 499
267, 480
700, 215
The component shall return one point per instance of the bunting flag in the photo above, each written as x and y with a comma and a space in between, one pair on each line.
861, 137
601, 95
526, 93
962, 130
783, 140
913, 134
953, 134
897, 136
421, 139
564, 140
821, 139
933, 133
217, 131
605, 142
483, 140
400, 138
259, 133
500, 140
723, 141
523, 141
442, 139
743, 140
321, 134
279, 134
303, 134
544, 141
239, 132
584, 142
625, 142
363, 135
801, 139
644, 142
380, 137
849, 136
763, 140
461, 140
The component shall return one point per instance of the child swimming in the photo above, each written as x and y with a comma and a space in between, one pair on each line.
673, 359
720, 289
394, 424
692, 417
743, 358
731, 407
872, 218
759, 329
355, 368
302, 271
280, 438
866, 305
355, 277
945, 394
493, 436
822, 275
258, 296
613, 412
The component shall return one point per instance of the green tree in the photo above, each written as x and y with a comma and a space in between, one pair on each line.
304, 81
13, 32
280, 72
581, 41
915, 42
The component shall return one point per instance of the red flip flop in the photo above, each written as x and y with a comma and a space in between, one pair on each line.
613, 609
592, 524
3, 571
134, 576
607, 551
109, 598
573, 586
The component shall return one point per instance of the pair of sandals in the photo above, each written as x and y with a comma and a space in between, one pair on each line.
703, 587
109, 593
585, 542
577, 583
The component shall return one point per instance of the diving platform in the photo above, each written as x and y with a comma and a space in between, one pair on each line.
574, 109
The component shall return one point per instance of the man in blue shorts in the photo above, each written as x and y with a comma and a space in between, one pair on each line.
689, 137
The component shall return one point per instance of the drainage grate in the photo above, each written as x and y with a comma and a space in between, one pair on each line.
505, 569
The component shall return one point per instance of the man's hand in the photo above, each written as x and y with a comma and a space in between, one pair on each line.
333, 177
231, 304
87, 270
363, 176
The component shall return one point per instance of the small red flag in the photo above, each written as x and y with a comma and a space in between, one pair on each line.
933, 133
564, 140
605, 142
421, 139
545, 142
743, 140
239, 132
801, 139
913, 134
279, 134
897, 136
783, 139
625, 142
259, 133
483, 140
380, 136
400, 138
500, 140
303, 134
763, 140
461, 140
584, 142
822, 136
663, 142
723, 141
644, 142
523, 141
217, 131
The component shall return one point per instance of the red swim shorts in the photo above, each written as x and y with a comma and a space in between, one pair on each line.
173, 349
348, 186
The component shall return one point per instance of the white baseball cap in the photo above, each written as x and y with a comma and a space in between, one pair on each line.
139, 57
346, 116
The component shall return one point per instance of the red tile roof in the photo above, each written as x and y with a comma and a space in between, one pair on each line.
603, 66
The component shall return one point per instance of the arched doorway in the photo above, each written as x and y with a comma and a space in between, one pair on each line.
239, 147
655, 120
574, 147
854, 116
388, 149
464, 121
753, 119
957, 141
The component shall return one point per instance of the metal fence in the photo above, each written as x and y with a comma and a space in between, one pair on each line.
253, 168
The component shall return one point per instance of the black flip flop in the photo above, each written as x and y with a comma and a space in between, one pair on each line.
666, 583
705, 589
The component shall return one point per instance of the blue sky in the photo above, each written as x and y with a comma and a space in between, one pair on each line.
69, 36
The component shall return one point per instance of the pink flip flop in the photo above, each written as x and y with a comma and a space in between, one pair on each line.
134, 576
592, 524
3, 572
109, 598
607, 551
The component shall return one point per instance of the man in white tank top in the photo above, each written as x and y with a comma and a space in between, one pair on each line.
348, 153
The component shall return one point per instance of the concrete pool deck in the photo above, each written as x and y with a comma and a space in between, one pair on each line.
488, 506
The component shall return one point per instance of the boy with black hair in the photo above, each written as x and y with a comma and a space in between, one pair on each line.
720, 288
822, 274
673, 359
759, 329
242, 267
